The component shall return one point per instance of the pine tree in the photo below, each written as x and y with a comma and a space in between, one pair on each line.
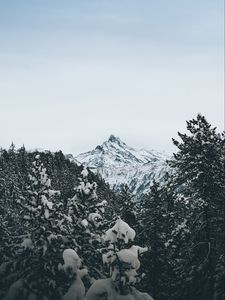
25, 203
122, 259
177, 236
126, 203
39, 255
11, 222
87, 222
153, 216
200, 173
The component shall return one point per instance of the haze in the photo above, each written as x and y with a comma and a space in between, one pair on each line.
74, 72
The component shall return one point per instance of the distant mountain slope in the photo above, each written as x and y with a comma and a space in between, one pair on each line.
120, 164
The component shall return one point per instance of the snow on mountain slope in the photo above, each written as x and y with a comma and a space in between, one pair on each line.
120, 164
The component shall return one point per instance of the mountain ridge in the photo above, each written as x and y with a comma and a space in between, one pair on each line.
121, 164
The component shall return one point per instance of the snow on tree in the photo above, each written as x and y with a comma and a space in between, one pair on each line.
40, 196
120, 232
25, 232
86, 213
72, 264
199, 168
38, 255
122, 259
71, 260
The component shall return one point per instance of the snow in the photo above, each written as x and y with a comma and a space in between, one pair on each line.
76, 290
44, 177
95, 218
68, 218
120, 164
106, 289
46, 213
84, 223
109, 257
123, 263
45, 201
130, 256
88, 189
84, 172
49, 204
127, 256
103, 203
27, 243
137, 250
71, 260
82, 272
131, 275
53, 193
101, 206
120, 231
180, 227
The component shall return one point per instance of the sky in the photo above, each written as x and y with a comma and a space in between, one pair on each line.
74, 72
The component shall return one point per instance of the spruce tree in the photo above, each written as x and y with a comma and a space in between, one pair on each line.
38, 253
126, 206
153, 216
200, 173
122, 258
86, 213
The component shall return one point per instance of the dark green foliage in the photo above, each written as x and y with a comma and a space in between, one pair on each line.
37, 254
35, 220
192, 201
200, 169
125, 206
87, 215
182, 220
152, 230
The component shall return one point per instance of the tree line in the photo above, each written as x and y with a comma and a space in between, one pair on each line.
49, 204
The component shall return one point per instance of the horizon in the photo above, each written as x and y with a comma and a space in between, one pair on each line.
73, 73
138, 148
99, 144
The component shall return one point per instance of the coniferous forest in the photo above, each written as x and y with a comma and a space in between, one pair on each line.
64, 233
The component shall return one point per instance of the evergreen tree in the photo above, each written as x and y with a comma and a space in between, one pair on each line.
153, 216
122, 259
39, 254
200, 173
126, 206
87, 222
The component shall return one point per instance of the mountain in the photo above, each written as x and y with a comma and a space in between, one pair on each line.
120, 164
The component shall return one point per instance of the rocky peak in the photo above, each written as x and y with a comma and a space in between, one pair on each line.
120, 164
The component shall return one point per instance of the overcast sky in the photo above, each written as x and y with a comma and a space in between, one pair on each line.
73, 72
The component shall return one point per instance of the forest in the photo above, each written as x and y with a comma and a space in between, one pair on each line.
60, 222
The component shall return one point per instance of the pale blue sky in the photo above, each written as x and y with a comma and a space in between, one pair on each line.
73, 72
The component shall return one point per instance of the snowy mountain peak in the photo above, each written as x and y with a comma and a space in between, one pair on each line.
120, 164
115, 140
